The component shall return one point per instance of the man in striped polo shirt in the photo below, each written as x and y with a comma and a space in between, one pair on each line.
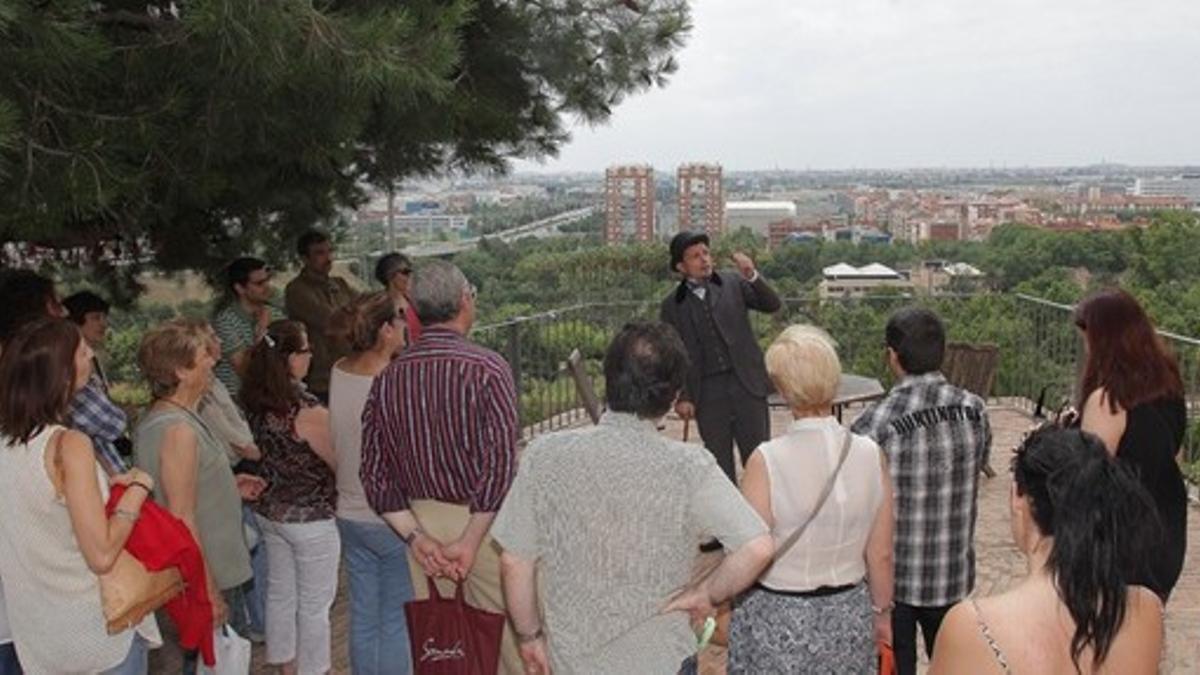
439, 445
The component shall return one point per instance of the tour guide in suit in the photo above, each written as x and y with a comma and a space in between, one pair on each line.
727, 386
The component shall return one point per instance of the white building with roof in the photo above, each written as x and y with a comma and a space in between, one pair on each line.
757, 215
847, 281
936, 277
962, 269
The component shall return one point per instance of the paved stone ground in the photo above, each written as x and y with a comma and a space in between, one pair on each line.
999, 562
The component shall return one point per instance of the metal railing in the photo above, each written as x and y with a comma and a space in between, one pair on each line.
537, 347
1059, 358
1040, 349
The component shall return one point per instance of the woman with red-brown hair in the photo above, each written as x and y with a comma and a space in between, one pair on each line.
1132, 398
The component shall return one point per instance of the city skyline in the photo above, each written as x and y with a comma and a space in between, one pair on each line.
912, 84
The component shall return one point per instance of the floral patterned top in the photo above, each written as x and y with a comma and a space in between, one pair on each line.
300, 485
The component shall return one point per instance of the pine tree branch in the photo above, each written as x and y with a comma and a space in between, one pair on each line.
128, 19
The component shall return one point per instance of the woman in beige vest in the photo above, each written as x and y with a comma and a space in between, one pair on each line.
55, 537
195, 482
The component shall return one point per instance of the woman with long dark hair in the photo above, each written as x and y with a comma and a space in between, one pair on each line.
55, 537
1131, 396
1078, 516
296, 510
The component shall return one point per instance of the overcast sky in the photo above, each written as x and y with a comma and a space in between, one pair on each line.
833, 84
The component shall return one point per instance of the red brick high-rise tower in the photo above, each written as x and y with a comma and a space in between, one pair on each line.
629, 203
701, 199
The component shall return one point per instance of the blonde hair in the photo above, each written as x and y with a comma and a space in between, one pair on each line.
804, 366
167, 348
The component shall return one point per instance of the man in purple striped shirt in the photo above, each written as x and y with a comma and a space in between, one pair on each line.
439, 445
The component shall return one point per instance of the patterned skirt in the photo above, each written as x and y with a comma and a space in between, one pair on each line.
780, 633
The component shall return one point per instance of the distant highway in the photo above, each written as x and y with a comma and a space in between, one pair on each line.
546, 227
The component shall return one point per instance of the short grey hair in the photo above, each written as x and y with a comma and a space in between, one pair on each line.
436, 291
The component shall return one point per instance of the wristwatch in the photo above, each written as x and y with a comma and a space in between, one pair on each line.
523, 638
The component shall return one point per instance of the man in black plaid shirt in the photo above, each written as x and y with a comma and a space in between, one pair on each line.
936, 438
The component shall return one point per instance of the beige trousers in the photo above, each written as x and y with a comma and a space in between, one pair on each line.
482, 589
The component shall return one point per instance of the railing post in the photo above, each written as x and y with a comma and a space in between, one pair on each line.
512, 351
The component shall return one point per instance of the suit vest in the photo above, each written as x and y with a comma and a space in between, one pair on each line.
714, 352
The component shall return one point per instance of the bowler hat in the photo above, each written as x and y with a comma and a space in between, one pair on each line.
681, 242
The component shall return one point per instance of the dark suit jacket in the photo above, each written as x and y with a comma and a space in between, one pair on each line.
729, 295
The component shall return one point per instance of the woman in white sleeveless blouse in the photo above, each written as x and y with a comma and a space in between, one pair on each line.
825, 601
55, 537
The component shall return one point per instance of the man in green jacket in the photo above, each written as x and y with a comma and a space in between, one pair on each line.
311, 298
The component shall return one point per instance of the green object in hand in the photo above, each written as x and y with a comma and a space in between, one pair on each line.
706, 633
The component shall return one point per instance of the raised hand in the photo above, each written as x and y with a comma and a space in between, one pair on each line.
744, 264
262, 319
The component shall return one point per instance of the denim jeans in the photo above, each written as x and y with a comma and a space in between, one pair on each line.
239, 617
377, 567
136, 661
255, 590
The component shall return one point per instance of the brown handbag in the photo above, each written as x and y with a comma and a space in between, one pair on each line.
128, 591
